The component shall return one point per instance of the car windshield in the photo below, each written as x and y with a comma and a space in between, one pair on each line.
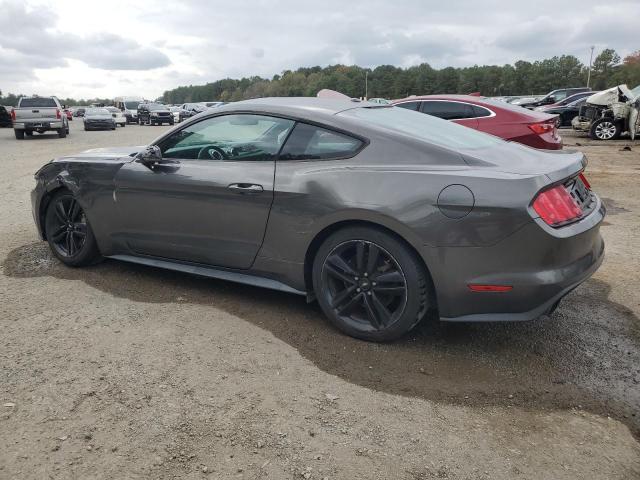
131, 105
155, 106
636, 92
97, 111
113, 109
424, 127
38, 102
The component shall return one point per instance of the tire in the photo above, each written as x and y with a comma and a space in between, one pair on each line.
352, 292
28, 133
68, 232
123, 125
62, 133
605, 129
19, 134
67, 129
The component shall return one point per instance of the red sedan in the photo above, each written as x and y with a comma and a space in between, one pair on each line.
517, 124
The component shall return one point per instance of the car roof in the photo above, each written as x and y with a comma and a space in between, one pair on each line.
306, 105
444, 96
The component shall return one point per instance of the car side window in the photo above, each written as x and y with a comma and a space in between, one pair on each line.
448, 110
409, 105
308, 142
242, 137
479, 112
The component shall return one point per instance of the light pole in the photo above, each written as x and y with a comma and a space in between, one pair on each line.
366, 84
590, 60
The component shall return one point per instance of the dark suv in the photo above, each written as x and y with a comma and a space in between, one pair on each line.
154, 114
555, 96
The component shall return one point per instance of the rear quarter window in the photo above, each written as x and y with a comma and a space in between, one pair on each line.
309, 142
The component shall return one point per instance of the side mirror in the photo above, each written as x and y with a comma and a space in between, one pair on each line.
150, 155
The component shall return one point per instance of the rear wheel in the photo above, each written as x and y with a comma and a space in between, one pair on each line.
69, 234
19, 134
370, 284
605, 129
62, 132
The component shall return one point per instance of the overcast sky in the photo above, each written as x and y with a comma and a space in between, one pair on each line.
94, 48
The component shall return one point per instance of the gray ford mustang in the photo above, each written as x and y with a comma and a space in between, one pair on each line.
379, 213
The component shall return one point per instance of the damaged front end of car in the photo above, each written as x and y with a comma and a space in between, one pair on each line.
608, 114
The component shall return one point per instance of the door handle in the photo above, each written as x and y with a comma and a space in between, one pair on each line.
246, 187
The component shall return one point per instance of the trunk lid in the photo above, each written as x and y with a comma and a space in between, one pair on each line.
514, 158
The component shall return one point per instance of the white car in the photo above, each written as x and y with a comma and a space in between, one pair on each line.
175, 111
118, 116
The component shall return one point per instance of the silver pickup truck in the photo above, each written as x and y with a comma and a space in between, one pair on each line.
39, 114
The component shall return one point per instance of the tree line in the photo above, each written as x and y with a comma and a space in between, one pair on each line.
388, 81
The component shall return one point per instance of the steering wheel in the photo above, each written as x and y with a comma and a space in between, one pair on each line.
211, 152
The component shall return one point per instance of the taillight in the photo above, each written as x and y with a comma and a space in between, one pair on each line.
556, 207
13, 114
58, 114
540, 128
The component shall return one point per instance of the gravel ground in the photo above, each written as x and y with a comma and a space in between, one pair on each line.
124, 371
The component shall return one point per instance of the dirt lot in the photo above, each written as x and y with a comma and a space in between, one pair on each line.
123, 371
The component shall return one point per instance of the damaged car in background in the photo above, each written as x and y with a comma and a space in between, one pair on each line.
608, 114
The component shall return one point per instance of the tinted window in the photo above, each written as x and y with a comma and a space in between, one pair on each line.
229, 137
38, 102
480, 111
409, 105
308, 142
424, 127
448, 110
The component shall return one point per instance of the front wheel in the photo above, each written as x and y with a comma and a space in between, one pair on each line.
605, 129
370, 284
68, 232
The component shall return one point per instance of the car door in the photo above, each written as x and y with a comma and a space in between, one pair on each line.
211, 203
459, 112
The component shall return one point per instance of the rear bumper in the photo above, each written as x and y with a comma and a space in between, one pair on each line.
541, 264
44, 125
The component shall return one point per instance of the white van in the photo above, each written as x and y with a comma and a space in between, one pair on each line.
129, 107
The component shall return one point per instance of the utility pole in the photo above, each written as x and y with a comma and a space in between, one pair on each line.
366, 84
590, 60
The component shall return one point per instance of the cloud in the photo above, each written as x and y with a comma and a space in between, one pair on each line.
139, 48
31, 34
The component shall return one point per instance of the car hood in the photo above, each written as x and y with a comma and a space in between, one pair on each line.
113, 154
515, 158
610, 96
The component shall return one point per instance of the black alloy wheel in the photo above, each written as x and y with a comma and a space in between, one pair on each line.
68, 231
371, 286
